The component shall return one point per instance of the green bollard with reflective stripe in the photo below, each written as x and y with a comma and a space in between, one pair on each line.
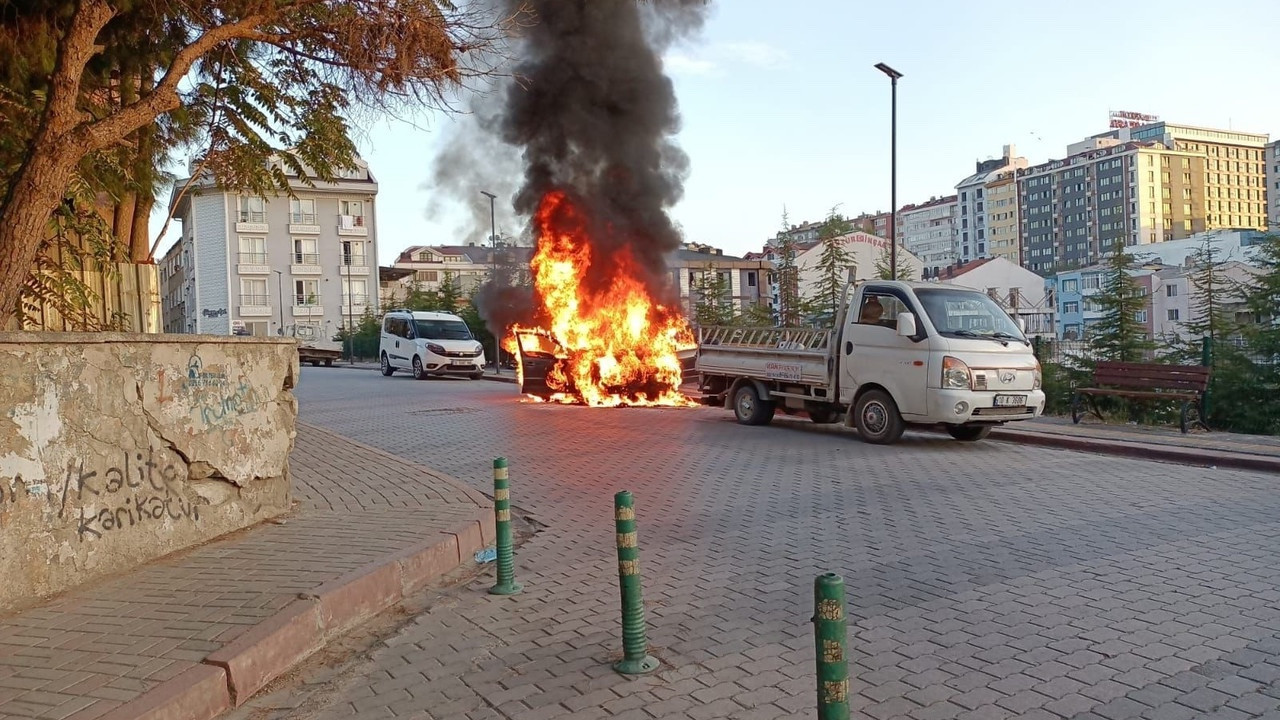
507, 584
635, 646
830, 647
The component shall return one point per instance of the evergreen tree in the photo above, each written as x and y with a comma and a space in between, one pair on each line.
1118, 335
756, 315
714, 305
787, 276
1262, 297
884, 263
833, 264
1211, 289
450, 294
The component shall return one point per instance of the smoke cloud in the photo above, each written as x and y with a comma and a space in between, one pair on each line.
589, 111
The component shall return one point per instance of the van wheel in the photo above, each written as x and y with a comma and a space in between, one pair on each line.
877, 418
418, 372
386, 366
749, 408
968, 433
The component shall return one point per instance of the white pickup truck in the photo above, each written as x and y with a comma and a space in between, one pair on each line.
897, 354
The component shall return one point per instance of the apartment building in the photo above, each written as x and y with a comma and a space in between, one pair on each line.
926, 230
1003, 236
1072, 211
1273, 185
302, 266
467, 266
971, 227
746, 279
1233, 169
175, 290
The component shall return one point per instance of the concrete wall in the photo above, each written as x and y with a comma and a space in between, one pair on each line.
119, 448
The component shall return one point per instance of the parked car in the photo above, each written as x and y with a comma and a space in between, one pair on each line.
429, 343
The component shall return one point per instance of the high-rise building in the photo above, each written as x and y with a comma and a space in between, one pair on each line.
302, 266
1273, 185
972, 240
1072, 211
926, 231
1002, 217
1234, 169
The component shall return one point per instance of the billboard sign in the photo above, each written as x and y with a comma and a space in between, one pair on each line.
1126, 119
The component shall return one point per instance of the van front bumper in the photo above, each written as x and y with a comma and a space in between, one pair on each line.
964, 406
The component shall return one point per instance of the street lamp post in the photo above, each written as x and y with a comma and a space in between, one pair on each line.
493, 276
280, 299
893, 169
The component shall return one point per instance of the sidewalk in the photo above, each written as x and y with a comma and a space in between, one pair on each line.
1206, 449
200, 631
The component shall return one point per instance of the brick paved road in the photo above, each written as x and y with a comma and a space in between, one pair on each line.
985, 581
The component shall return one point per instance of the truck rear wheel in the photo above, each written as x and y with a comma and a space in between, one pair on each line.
749, 408
877, 418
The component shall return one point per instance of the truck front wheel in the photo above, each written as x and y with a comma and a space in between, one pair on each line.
877, 419
749, 408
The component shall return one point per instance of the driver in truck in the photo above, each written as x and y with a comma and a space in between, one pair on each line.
871, 311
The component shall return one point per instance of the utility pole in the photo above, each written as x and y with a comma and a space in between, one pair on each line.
493, 274
893, 168
280, 296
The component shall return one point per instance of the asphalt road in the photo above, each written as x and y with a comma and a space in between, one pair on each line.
985, 580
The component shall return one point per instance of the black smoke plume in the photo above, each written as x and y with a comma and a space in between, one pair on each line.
591, 113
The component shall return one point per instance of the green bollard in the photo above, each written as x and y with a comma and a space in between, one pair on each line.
507, 584
635, 647
829, 646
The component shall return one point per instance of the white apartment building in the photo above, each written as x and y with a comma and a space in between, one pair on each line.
1273, 185
927, 231
303, 266
971, 227
468, 266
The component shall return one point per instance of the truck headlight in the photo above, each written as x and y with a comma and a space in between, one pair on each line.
1038, 378
955, 374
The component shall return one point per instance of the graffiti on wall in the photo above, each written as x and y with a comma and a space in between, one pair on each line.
136, 492
216, 400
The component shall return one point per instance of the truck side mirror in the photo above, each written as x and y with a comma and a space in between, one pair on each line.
906, 324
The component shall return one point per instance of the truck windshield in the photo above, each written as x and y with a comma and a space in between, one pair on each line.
964, 313
442, 329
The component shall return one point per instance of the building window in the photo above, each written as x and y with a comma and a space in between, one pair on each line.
353, 253
305, 252
302, 211
253, 291
427, 276
751, 278
1140, 316
253, 209
1171, 291
253, 250
355, 291
306, 292
352, 213
1070, 286
1070, 308
1091, 282
1173, 313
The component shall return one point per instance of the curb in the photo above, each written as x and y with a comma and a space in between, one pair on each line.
228, 677
1143, 451
500, 378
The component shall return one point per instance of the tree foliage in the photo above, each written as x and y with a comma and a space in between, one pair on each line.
1118, 335
713, 304
884, 265
787, 275
94, 93
834, 264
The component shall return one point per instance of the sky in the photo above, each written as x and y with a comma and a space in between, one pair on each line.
781, 106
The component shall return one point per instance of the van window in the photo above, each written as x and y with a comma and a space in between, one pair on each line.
880, 310
442, 329
398, 327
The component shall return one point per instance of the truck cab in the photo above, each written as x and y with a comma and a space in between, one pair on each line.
897, 354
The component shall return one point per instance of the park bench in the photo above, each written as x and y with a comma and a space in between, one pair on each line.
1146, 381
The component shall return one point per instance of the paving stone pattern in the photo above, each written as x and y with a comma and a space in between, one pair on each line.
987, 580
94, 648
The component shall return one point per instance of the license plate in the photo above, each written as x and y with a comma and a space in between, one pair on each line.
1011, 400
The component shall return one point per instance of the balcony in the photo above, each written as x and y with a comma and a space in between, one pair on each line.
355, 265
354, 304
255, 305
304, 224
252, 222
253, 263
352, 225
307, 306
306, 264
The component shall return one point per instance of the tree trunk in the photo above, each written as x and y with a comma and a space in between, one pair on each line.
140, 241
34, 196
122, 227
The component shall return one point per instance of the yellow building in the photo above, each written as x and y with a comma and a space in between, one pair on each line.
1002, 218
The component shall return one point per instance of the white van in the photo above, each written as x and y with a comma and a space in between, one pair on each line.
429, 343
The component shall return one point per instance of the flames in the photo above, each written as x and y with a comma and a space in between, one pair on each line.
617, 346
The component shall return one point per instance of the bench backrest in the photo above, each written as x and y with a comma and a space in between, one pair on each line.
1151, 376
